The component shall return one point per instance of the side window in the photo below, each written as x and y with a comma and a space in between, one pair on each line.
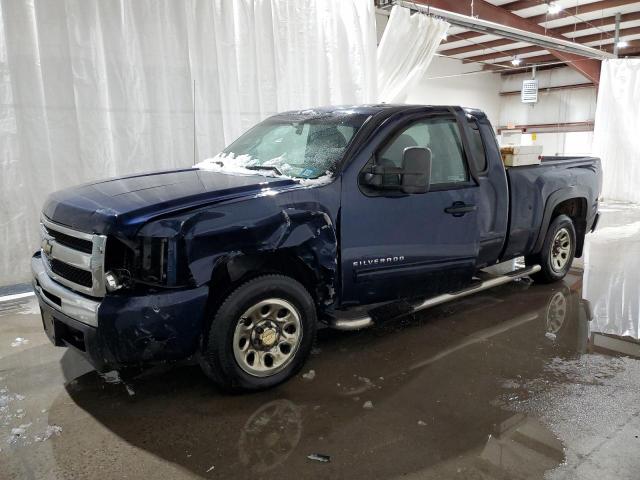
442, 136
477, 145
413, 136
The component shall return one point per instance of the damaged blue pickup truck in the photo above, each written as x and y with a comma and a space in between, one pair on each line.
339, 216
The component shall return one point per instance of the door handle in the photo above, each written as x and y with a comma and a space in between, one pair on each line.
458, 209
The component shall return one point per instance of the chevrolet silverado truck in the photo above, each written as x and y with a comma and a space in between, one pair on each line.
337, 216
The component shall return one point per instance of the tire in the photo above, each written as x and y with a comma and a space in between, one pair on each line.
260, 336
557, 252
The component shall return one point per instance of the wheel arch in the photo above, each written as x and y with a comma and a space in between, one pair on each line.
233, 270
571, 202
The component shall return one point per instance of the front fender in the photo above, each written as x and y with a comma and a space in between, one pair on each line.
209, 238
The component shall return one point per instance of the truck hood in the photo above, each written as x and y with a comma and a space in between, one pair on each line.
125, 203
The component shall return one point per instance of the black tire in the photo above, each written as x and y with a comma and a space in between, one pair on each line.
217, 357
551, 272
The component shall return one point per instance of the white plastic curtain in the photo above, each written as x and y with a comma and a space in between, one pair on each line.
406, 49
610, 281
91, 89
615, 139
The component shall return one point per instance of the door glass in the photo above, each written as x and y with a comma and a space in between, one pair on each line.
442, 136
477, 146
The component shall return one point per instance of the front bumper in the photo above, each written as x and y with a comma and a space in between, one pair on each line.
121, 329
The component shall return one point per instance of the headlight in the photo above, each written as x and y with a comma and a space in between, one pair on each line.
112, 281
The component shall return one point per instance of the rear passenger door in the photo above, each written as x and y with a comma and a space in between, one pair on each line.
396, 244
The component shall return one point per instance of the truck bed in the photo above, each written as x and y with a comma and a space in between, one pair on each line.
556, 158
531, 187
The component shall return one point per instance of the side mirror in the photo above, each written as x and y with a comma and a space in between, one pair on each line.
412, 177
382, 177
416, 170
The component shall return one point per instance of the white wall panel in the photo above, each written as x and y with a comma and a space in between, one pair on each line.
547, 78
444, 85
561, 143
556, 106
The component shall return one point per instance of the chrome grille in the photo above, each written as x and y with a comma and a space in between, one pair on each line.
74, 259
71, 273
85, 246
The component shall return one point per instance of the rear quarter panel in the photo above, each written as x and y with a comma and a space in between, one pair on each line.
535, 190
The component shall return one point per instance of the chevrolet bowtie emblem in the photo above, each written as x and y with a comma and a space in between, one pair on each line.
47, 246
268, 338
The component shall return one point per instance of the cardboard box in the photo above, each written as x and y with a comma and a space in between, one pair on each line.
511, 160
521, 149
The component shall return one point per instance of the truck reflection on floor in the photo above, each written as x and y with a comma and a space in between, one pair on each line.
270, 435
433, 382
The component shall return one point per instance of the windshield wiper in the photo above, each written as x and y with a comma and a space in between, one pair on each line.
264, 167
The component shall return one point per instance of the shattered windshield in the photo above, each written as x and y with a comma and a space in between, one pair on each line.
305, 146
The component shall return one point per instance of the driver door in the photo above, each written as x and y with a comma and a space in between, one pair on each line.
396, 245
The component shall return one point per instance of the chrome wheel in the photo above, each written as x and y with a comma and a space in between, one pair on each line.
560, 250
556, 312
267, 337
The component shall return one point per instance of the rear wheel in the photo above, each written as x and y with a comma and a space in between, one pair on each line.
557, 252
261, 334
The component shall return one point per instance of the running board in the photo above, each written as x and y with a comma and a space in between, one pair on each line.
357, 320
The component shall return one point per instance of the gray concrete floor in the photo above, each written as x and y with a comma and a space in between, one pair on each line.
524, 381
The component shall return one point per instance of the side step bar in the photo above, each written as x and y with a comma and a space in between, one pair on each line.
357, 320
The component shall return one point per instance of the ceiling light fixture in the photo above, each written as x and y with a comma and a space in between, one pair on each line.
516, 61
622, 43
554, 8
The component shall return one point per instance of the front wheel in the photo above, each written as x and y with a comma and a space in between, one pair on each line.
261, 335
557, 252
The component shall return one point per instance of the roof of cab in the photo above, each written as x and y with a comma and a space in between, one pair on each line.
356, 109
371, 109
380, 110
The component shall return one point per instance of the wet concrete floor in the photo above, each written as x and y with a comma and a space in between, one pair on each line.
523, 381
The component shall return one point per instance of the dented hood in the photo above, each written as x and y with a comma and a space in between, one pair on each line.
123, 204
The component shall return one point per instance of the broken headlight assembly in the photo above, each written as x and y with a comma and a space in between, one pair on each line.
114, 280
146, 260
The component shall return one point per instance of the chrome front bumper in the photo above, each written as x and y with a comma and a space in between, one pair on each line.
62, 299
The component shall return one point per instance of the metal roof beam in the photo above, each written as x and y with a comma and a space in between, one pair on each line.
580, 10
520, 51
596, 23
495, 19
505, 53
521, 5
572, 27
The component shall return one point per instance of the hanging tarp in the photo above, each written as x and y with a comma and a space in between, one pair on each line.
93, 89
615, 137
406, 49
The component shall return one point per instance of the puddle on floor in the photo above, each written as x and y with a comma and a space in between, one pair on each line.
470, 388
414, 397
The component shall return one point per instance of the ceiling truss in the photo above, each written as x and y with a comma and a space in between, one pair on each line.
582, 22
